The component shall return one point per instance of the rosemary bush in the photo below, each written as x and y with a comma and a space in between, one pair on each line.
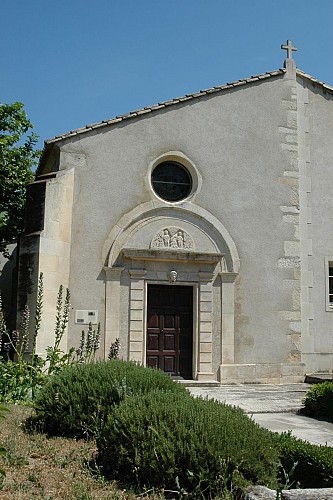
77, 401
311, 465
176, 442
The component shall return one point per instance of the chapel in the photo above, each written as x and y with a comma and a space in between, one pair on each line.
195, 231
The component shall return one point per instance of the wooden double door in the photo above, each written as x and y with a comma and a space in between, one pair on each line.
170, 329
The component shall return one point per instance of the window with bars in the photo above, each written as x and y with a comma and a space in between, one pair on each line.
329, 283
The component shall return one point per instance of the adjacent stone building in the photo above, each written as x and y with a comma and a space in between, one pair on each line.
196, 230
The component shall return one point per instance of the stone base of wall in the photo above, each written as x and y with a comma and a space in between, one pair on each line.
317, 362
206, 376
270, 373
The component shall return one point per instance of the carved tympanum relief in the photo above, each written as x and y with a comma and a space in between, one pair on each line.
172, 237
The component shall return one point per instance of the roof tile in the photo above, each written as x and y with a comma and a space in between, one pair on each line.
185, 98
143, 111
314, 80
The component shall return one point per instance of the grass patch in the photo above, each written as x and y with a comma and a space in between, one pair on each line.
38, 467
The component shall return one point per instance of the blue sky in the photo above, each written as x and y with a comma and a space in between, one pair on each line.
75, 62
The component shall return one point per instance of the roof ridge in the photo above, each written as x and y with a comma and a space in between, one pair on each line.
312, 79
165, 104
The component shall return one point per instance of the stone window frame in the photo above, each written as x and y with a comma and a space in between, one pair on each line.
183, 160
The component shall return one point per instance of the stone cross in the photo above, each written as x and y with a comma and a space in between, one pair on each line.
290, 49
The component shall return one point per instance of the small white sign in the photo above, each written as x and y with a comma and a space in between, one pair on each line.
85, 317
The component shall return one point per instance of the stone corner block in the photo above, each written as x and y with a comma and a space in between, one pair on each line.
206, 376
268, 371
237, 374
293, 370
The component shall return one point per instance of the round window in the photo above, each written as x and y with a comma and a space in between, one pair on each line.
171, 181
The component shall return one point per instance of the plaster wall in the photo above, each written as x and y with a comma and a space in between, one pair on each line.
233, 139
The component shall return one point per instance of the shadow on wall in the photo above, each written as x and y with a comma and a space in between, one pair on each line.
8, 285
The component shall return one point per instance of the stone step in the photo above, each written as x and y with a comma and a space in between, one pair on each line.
317, 378
199, 383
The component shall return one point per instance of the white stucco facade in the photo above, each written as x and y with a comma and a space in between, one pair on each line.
255, 239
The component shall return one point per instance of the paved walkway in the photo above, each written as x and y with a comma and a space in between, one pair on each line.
273, 407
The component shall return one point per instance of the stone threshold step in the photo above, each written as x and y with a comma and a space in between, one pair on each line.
317, 378
199, 383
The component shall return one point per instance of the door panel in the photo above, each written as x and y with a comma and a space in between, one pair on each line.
152, 362
170, 329
153, 342
169, 364
169, 342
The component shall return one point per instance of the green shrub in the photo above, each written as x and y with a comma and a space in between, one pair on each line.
23, 376
76, 401
194, 445
313, 464
318, 401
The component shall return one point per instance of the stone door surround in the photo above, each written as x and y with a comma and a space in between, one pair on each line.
153, 266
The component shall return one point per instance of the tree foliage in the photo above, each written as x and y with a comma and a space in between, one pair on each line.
17, 158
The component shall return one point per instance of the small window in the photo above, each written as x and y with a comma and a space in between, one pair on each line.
171, 181
329, 283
